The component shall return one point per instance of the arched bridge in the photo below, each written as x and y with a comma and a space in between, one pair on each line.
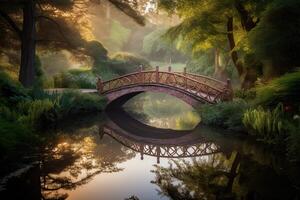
190, 88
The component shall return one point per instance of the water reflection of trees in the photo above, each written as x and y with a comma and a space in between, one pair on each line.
73, 160
208, 177
162, 111
218, 176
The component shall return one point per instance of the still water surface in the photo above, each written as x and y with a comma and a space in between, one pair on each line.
116, 156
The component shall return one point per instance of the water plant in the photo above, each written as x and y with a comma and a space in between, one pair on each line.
264, 123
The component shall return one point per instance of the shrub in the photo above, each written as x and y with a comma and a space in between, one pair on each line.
96, 50
266, 124
35, 112
8, 114
11, 92
75, 78
70, 103
225, 114
245, 94
123, 63
15, 135
284, 89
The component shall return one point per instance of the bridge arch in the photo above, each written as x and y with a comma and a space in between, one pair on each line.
156, 142
191, 88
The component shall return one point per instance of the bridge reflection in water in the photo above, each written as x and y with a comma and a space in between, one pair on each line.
161, 144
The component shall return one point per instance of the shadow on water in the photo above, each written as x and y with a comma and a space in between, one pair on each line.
116, 156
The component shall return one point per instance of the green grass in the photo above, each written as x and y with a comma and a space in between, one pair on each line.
264, 123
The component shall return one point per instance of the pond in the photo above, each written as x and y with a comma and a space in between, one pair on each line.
142, 152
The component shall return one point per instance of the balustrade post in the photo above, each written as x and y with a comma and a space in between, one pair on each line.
142, 151
158, 154
141, 74
157, 74
185, 79
99, 85
169, 69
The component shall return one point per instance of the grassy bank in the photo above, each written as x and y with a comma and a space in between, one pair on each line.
24, 114
270, 112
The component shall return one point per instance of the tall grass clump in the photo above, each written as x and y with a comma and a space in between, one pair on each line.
35, 112
70, 103
225, 114
265, 124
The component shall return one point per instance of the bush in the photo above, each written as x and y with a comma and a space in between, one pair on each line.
225, 114
11, 92
266, 124
96, 50
35, 112
245, 94
15, 135
284, 89
123, 63
70, 103
75, 78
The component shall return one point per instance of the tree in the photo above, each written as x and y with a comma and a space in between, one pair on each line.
32, 12
276, 40
220, 25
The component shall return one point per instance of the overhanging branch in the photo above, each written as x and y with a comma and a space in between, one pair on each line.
11, 23
57, 25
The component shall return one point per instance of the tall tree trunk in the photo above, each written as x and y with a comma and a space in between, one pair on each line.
219, 72
246, 20
234, 54
27, 70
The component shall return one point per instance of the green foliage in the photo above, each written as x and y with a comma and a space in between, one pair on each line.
245, 94
284, 89
10, 91
225, 114
158, 48
118, 35
96, 50
202, 65
15, 135
70, 103
276, 37
35, 112
123, 63
75, 78
265, 124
